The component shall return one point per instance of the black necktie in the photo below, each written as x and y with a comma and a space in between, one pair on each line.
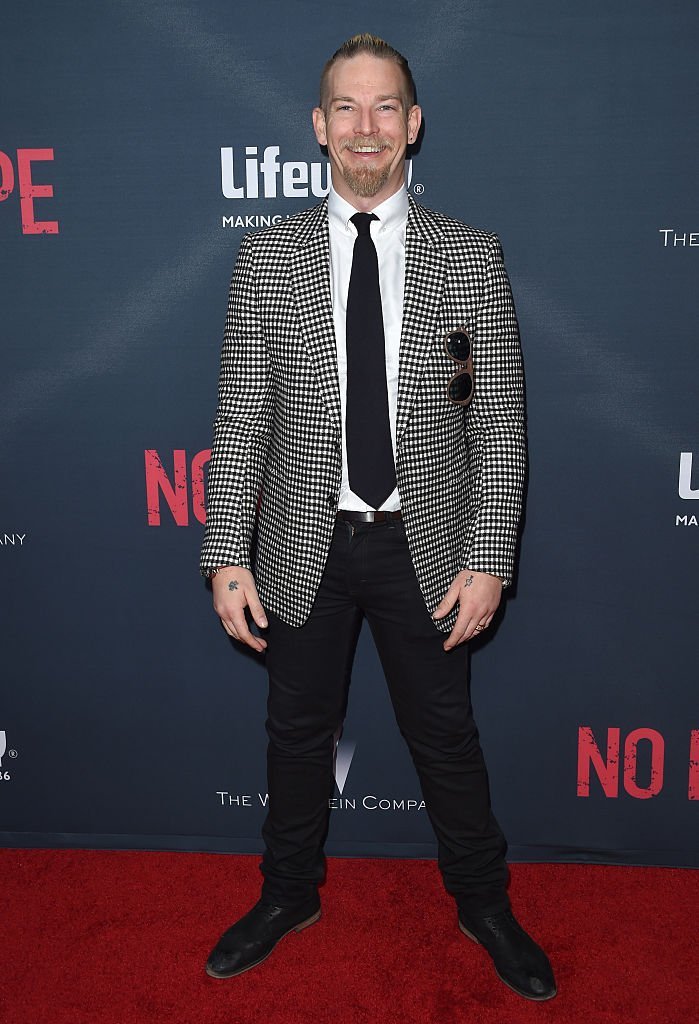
372, 472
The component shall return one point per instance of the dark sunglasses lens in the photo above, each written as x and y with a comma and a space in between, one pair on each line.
459, 345
460, 387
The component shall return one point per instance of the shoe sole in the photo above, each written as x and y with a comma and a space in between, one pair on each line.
519, 991
297, 928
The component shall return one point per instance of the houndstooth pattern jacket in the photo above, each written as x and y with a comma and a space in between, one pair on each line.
276, 456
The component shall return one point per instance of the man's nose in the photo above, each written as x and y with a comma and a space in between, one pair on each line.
366, 122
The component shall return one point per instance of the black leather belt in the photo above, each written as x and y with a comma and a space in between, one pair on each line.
367, 517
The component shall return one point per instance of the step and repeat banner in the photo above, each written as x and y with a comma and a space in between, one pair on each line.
140, 140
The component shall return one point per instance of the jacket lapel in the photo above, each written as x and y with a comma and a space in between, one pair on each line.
310, 276
422, 297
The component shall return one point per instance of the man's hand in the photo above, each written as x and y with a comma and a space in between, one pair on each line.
478, 594
234, 591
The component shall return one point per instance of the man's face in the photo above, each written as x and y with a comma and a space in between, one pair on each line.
366, 128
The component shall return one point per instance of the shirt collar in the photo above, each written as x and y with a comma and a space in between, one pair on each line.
392, 213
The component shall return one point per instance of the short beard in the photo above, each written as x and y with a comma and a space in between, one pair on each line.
366, 182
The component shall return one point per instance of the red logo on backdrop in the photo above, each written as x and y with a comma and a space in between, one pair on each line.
621, 763
181, 488
29, 190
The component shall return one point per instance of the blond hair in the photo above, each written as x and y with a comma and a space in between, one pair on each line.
366, 43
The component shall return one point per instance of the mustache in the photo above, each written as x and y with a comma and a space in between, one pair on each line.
359, 141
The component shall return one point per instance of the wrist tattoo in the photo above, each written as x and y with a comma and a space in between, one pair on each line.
469, 581
233, 585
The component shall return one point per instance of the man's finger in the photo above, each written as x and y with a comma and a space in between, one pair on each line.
228, 626
463, 620
468, 619
447, 602
483, 624
244, 635
457, 636
478, 624
256, 610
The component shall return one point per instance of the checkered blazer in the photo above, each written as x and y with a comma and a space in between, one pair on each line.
276, 456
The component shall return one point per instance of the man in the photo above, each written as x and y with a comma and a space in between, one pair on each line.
370, 425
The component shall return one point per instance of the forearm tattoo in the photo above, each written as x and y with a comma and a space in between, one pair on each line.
469, 581
233, 585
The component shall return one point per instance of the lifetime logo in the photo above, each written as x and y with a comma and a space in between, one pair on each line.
299, 179
5, 775
685, 488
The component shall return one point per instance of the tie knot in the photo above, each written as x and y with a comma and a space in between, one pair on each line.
362, 221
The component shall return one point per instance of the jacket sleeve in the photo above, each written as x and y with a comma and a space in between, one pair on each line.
495, 427
242, 425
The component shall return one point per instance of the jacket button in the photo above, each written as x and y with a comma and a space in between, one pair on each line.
332, 500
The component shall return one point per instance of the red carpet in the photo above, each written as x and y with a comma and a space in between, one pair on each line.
121, 938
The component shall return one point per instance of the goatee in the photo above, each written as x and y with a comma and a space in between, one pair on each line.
366, 181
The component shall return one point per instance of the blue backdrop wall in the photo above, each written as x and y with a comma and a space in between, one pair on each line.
139, 141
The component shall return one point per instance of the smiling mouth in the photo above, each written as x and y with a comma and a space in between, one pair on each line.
361, 147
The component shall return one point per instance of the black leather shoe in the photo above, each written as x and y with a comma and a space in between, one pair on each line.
519, 962
251, 939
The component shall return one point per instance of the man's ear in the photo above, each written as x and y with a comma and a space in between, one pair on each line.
319, 126
414, 122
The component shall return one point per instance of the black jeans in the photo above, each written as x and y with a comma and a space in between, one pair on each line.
369, 573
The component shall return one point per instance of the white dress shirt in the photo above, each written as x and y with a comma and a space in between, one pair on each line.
388, 234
